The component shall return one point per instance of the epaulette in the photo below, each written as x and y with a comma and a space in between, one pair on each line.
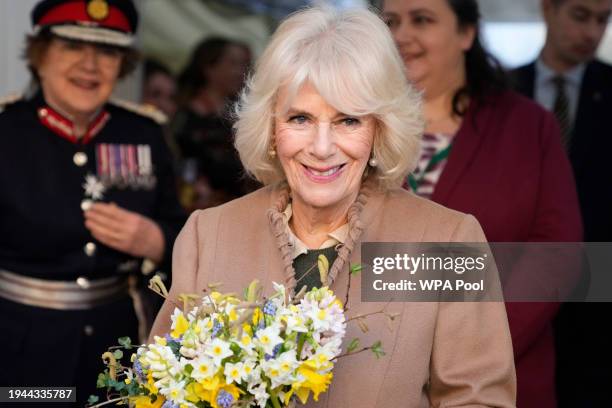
145, 110
9, 99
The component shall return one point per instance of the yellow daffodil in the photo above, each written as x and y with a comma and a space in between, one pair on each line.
196, 393
257, 316
144, 401
313, 382
181, 326
151, 383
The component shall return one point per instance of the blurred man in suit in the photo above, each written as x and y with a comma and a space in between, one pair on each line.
568, 80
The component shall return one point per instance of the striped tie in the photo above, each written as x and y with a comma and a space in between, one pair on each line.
561, 111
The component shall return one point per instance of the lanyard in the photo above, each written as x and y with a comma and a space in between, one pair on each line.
435, 160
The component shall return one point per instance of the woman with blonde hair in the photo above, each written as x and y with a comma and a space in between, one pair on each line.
330, 125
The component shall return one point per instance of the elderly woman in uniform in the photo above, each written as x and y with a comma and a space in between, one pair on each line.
330, 125
87, 194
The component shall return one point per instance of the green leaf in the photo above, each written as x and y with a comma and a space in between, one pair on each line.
377, 349
188, 369
118, 354
102, 380
92, 399
355, 269
126, 342
352, 345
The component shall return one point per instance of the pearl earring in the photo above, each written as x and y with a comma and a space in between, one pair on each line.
373, 162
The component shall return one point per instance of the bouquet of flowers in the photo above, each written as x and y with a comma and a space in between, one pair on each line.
224, 352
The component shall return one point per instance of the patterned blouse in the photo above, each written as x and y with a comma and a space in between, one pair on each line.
435, 148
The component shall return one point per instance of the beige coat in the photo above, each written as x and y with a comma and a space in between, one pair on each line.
438, 354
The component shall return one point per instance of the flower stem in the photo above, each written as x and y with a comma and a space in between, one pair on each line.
274, 399
111, 401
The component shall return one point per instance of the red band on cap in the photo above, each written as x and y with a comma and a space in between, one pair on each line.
76, 11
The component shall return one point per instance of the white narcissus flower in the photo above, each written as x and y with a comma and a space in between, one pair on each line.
234, 373
174, 391
218, 350
204, 368
247, 369
268, 338
295, 320
280, 370
259, 392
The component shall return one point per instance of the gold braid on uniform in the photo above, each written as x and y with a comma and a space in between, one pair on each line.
146, 110
9, 99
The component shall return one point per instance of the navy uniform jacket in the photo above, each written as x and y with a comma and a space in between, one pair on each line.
43, 179
582, 334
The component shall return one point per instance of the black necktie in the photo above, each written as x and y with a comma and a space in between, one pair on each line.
561, 110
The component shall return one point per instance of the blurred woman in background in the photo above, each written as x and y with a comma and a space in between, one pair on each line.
206, 88
489, 152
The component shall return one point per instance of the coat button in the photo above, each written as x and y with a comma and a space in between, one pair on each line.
80, 159
89, 330
86, 204
90, 249
83, 282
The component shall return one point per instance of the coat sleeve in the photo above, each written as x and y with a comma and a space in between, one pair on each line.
185, 260
472, 363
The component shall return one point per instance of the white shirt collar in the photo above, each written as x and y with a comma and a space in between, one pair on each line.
545, 74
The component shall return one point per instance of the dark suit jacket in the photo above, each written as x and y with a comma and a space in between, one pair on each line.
509, 170
591, 145
583, 350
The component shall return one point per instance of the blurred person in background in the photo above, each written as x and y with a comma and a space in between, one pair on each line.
489, 152
202, 129
569, 81
87, 195
159, 88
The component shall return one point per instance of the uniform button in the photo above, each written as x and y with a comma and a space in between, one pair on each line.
42, 112
83, 282
86, 204
90, 249
80, 159
89, 330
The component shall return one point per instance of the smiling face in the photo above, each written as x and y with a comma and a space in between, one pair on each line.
430, 41
575, 29
78, 78
323, 152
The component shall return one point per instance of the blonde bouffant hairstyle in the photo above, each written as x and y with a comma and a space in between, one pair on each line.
350, 58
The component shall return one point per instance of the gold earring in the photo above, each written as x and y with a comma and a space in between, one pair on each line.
272, 152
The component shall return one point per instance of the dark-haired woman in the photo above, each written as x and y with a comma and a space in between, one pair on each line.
491, 153
202, 129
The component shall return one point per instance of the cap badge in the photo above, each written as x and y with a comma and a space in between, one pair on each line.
98, 9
